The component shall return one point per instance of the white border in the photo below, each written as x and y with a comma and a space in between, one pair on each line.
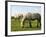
25, 32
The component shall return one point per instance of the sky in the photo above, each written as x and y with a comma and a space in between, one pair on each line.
17, 9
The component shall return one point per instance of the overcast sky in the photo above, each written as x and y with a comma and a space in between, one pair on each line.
15, 9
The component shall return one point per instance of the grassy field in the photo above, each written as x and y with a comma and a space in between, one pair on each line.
16, 25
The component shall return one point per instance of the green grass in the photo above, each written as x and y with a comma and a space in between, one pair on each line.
16, 25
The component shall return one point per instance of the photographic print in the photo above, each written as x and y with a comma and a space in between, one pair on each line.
25, 18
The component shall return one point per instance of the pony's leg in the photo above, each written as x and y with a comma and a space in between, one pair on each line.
37, 23
40, 24
21, 24
30, 24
